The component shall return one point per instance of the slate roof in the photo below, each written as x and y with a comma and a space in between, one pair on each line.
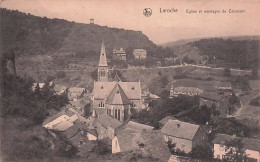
188, 89
138, 126
62, 126
100, 111
152, 141
103, 57
165, 119
72, 131
102, 89
107, 121
180, 129
210, 96
249, 143
63, 112
155, 143
117, 96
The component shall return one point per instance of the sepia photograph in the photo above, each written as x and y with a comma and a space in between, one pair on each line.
129, 81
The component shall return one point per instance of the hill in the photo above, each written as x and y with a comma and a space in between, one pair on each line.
185, 41
232, 52
26, 34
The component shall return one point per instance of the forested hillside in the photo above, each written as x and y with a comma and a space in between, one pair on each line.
242, 54
234, 52
26, 34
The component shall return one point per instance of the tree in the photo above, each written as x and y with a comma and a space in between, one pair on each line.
202, 152
102, 147
236, 151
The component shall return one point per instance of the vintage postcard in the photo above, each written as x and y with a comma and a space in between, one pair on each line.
168, 81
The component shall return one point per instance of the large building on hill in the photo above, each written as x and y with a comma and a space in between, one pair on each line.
119, 55
140, 53
114, 98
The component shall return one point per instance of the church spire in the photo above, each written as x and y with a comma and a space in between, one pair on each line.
103, 56
102, 66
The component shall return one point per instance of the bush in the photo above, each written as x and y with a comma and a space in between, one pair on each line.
60, 74
102, 147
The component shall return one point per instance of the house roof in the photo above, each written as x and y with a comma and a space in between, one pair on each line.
103, 57
117, 96
152, 141
63, 112
131, 89
180, 129
210, 96
156, 145
72, 131
116, 78
107, 121
249, 143
76, 89
92, 131
62, 126
100, 111
188, 89
165, 119
139, 50
59, 88
138, 126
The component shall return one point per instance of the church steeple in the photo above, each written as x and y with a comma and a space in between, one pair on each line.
103, 56
102, 66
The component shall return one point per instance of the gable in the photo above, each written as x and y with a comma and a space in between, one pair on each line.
131, 89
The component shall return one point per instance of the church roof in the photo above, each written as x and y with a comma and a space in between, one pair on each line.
117, 96
103, 57
117, 78
131, 89
107, 121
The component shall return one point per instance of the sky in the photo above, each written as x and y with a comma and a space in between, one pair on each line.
160, 27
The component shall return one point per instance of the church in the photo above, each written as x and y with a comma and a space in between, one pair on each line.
115, 98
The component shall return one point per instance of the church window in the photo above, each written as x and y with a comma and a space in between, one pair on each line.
101, 104
102, 73
118, 114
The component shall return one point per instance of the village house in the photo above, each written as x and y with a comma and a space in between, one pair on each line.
138, 126
119, 55
208, 99
149, 143
114, 98
60, 121
165, 120
60, 89
251, 146
184, 135
140, 53
189, 91
75, 93
105, 126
